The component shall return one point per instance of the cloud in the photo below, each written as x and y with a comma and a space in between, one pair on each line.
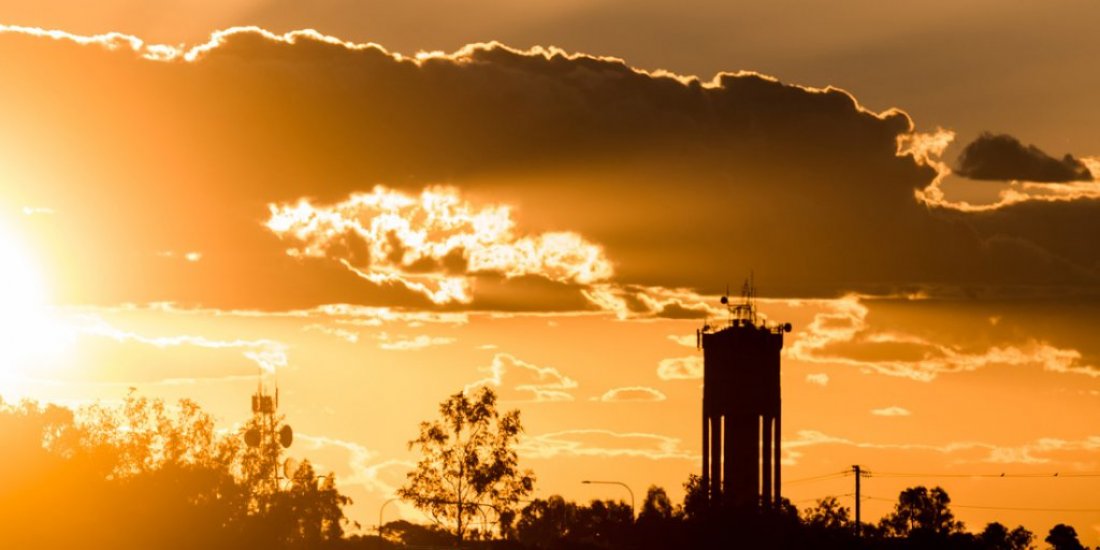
419, 342
431, 242
38, 211
891, 411
688, 341
820, 379
637, 301
681, 368
521, 380
588, 201
347, 335
1003, 157
603, 443
269, 355
357, 467
1039, 451
841, 335
631, 393
362, 468
186, 256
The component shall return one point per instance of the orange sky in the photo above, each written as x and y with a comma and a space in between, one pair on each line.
375, 230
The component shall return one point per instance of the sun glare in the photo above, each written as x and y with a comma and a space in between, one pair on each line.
29, 330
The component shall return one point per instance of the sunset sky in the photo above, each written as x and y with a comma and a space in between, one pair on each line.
415, 197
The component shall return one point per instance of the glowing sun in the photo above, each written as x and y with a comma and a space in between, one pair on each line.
29, 329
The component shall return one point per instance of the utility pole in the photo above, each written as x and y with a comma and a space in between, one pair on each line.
859, 473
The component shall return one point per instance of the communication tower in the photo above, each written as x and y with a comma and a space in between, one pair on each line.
268, 435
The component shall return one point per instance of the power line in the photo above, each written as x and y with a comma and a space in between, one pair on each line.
1006, 508
815, 499
1049, 475
822, 477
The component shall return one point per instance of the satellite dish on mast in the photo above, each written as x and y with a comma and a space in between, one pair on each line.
289, 467
286, 436
252, 437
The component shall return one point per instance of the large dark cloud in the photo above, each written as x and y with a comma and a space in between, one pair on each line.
684, 184
1003, 157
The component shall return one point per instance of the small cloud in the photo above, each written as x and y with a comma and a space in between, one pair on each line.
187, 256
820, 378
488, 346
680, 368
342, 333
37, 211
631, 393
1002, 157
688, 341
891, 411
400, 343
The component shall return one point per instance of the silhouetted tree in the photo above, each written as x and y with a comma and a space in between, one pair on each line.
307, 513
656, 506
659, 523
545, 522
922, 513
603, 523
412, 534
829, 514
695, 498
1063, 537
145, 475
468, 465
996, 536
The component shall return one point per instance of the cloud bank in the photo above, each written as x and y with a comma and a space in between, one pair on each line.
485, 179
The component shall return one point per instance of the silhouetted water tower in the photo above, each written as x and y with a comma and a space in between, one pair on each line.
741, 406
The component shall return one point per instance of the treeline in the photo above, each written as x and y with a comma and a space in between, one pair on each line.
146, 475
921, 519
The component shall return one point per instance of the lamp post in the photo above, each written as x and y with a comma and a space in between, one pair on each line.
619, 483
382, 509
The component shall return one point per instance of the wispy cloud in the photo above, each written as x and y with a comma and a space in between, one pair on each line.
341, 333
891, 411
964, 451
364, 469
820, 379
268, 354
631, 394
362, 462
412, 343
38, 211
638, 301
845, 322
687, 341
534, 382
604, 443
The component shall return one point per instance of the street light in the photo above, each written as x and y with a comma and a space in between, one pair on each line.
382, 509
621, 484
